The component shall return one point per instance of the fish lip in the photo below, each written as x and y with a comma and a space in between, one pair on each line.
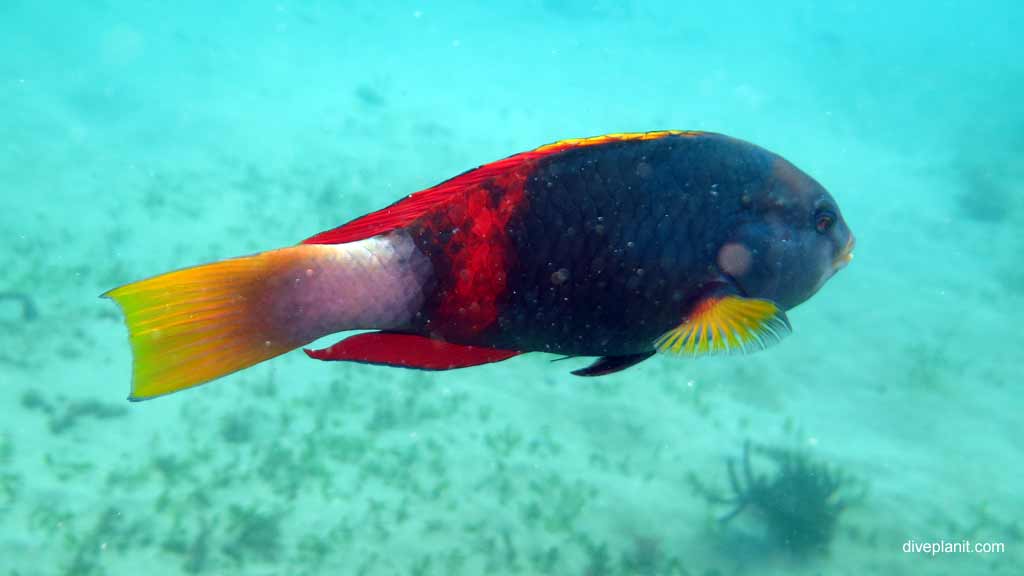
846, 255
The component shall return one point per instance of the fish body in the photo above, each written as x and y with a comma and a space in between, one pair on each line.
617, 246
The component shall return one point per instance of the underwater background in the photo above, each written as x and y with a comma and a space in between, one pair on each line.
139, 137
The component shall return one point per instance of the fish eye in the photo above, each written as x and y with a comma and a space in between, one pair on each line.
823, 221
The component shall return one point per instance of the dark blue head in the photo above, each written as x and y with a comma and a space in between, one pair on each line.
789, 240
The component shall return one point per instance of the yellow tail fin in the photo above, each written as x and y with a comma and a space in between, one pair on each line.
194, 325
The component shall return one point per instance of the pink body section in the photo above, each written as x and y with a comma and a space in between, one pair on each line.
373, 283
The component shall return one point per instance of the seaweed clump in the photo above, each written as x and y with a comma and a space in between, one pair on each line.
799, 505
983, 197
252, 534
73, 413
26, 307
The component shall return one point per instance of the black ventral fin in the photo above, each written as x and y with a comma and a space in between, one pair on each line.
609, 364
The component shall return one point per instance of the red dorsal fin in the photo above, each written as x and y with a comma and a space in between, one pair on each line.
409, 351
411, 207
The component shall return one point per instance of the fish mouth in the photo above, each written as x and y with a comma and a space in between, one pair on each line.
845, 256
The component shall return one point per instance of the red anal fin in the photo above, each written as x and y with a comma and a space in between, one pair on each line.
408, 209
409, 351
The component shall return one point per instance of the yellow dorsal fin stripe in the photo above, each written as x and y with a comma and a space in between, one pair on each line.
617, 137
729, 324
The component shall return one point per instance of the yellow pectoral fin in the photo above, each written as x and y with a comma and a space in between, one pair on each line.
726, 325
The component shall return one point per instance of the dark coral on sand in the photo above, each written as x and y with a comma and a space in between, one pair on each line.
799, 504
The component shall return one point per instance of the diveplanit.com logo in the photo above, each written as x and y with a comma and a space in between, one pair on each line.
958, 547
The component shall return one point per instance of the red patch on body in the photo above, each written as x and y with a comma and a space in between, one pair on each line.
478, 254
470, 212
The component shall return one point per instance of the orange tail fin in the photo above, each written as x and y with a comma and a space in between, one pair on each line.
194, 325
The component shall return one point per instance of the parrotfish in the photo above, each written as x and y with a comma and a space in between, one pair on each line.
616, 247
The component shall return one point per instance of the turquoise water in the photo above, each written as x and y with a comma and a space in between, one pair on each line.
139, 138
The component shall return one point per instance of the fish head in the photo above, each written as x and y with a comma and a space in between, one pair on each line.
789, 240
